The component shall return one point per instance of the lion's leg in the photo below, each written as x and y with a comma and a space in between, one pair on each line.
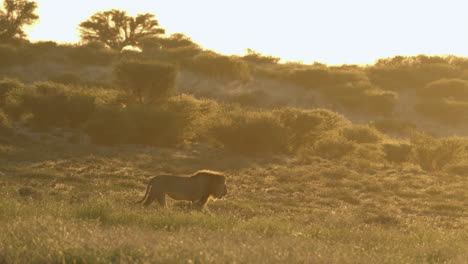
200, 204
149, 200
162, 199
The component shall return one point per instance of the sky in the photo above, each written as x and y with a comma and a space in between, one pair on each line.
332, 31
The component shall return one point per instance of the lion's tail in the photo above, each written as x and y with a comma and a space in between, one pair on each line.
148, 188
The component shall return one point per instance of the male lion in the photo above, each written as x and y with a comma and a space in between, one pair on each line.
197, 188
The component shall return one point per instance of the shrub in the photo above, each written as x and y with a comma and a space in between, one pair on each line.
194, 114
454, 88
361, 134
333, 146
109, 126
91, 54
67, 78
311, 77
434, 154
176, 40
6, 128
446, 111
7, 85
249, 132
410, 73
379, 101
219, 66
8, 53
396, 126
257, 58
138, 124
157, 127
397, 152
304, 125
54, 104
460, 168
147, 82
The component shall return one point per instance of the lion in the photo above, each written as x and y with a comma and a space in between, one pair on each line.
197, 188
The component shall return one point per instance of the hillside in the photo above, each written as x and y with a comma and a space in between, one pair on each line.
325, 164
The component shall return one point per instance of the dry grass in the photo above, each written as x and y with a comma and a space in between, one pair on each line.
74, 204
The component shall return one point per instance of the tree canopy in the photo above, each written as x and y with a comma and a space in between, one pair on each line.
117, 29
14, 16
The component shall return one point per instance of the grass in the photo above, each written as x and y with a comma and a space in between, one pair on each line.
277, 210
305, 185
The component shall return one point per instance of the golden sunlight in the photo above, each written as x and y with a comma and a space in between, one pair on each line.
333, 32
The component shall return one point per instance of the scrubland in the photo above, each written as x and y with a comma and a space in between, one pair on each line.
325, 164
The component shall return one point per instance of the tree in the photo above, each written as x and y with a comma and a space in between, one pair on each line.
147, 82
14, 16
117, 29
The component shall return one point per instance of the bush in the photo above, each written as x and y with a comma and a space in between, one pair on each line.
174, 41
147, 82
446, 88
54, 104
304, 125
411, 73
333, 146
397, 152
219, 66
6, 128
446, 111
460, 168
9, 55
194, 114
157, 127
67, 78
249, 132
257, 58
139, 124
6, 86
361, 134
395, 126
434, 154
91, 54
109, 126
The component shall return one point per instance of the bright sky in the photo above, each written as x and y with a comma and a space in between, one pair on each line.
331, 31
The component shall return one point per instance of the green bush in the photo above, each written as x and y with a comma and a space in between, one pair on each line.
446, 88
361, 134
139, 124
67, 78
109, 126
219, 66
435, 153
333, 146
6, 86
54, 104
446, 111
6, 128
257, 58
303, 126
460, 168
91, 54
249, 132
411, 73
147, 82
194, 114
157, 127
393, 126
397, 152
8, 55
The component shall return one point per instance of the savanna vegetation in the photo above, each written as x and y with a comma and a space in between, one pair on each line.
325, 164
